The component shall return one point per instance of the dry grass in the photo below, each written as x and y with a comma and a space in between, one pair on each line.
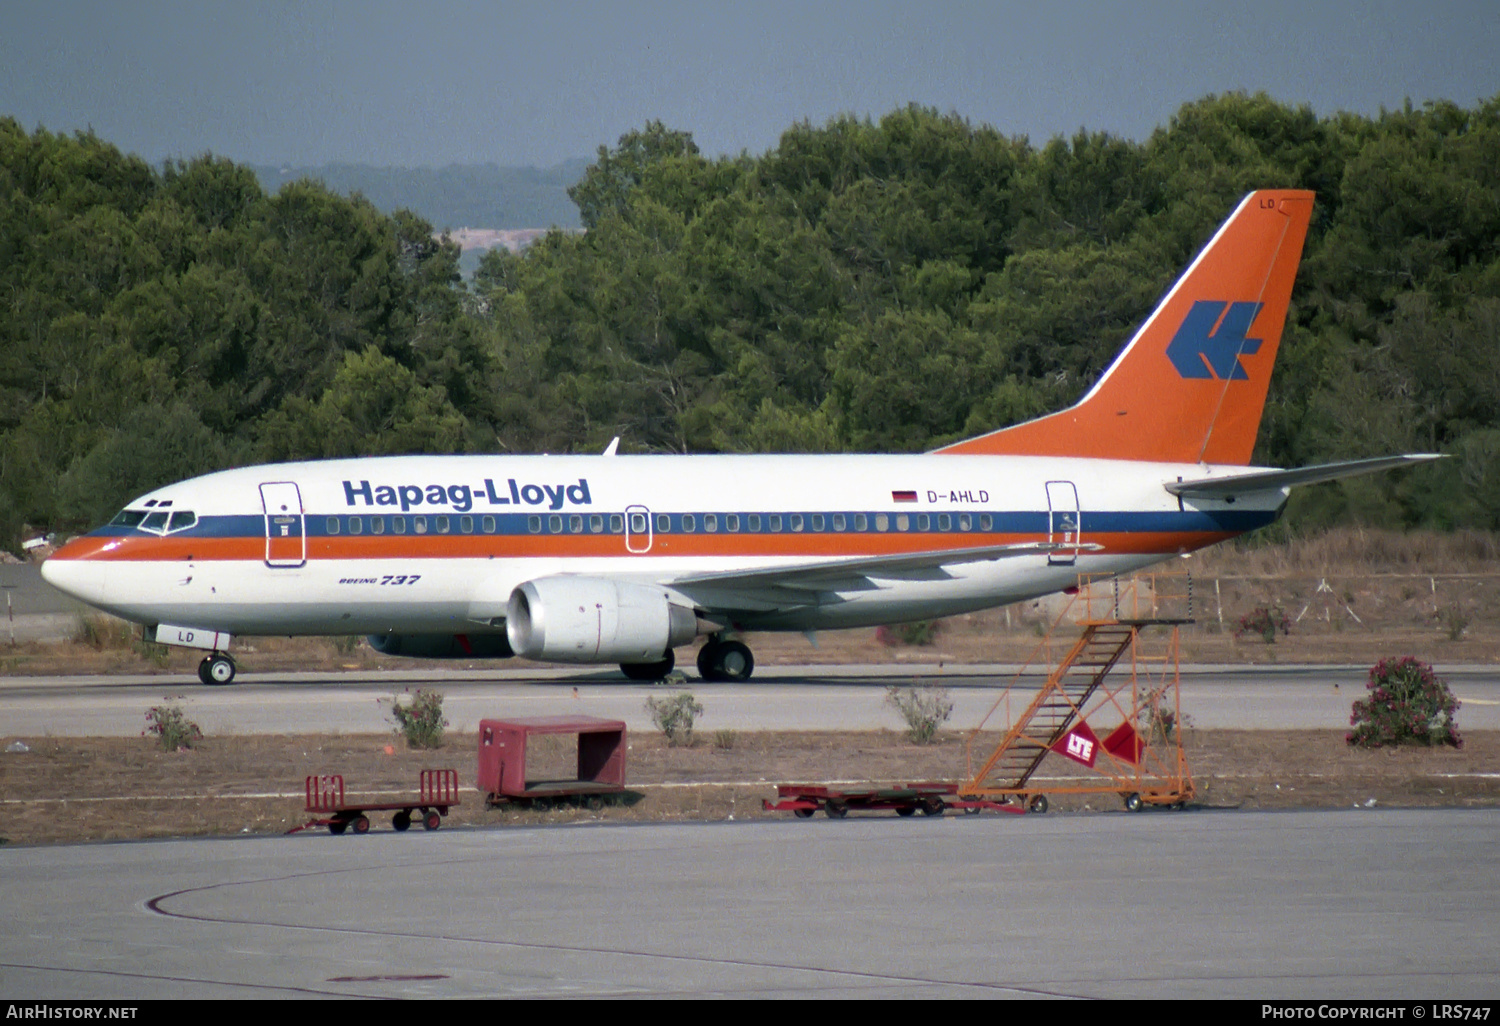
79, 789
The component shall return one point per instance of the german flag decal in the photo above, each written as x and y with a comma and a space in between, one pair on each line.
903, 496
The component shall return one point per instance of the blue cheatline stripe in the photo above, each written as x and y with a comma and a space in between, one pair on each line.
1023, 522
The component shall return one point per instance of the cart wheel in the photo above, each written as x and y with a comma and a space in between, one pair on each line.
595, 802
971, 810
1133, 802
905, 810
432, 820
804, 813
836, 809
933, 806
1038, 804
337, 827
401, 820
361, 824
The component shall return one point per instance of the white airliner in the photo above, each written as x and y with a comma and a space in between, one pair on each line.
621, 559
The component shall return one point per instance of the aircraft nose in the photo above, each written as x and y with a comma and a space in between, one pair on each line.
78, 578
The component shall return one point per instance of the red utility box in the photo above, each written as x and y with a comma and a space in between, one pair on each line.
502, 760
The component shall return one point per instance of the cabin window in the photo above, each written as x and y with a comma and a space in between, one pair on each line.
356, 525
575, 524
182, 520
398, 525
945, 522
903, 522
817, 521
419, 525
839, 523
466, 524
663, 523
331, 525
689, 523
775, 523
155, 521
617, 523
554, 524
732, 522
596, 523
442, 524
965, 522
754, 519
487, 525
534, 524
924, 522
985, 523
710, 522
377, 525
860, 522
882, 522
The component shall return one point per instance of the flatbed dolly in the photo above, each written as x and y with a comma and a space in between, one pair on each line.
931, 798
438, 792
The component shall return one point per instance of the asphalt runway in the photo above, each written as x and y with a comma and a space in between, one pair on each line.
778, 698
1378, 904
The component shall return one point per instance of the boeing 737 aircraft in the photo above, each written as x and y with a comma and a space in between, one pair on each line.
621, 559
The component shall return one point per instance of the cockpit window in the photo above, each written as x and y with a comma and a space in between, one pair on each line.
155, 521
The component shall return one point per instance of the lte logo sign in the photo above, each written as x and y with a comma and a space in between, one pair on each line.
1211, 341
1080, 748
1079, 744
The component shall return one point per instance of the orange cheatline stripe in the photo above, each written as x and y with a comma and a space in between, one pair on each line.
824, 545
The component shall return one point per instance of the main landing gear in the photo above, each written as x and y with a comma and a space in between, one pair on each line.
720, 660
216, 669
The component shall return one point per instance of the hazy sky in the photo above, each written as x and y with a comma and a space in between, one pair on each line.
532, 83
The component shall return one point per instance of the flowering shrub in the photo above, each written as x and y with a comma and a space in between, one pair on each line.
171, 728
1265, 623
421, 722
1407, 704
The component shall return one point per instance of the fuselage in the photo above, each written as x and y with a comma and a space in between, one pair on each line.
434, 544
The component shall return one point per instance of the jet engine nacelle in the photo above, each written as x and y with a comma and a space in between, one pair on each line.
593, 620
442, 646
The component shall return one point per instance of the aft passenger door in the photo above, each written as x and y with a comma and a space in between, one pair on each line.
1063, 522
286, 535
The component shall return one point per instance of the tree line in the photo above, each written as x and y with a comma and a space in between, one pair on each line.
867, 285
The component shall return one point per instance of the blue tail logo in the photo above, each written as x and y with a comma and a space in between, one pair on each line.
1200, 351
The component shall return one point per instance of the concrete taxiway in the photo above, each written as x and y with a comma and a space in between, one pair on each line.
1393, 904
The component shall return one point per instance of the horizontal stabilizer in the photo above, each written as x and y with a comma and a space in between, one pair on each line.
1270, 480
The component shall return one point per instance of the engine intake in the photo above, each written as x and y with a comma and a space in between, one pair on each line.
594, 620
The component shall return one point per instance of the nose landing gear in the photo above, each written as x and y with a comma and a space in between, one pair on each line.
216, 669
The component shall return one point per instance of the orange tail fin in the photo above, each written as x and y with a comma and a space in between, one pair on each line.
1191, 385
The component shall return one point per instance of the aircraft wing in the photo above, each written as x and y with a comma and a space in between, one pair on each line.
1269, 480
818, 583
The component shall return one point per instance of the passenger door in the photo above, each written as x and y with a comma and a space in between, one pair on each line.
286, 534
637, 529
